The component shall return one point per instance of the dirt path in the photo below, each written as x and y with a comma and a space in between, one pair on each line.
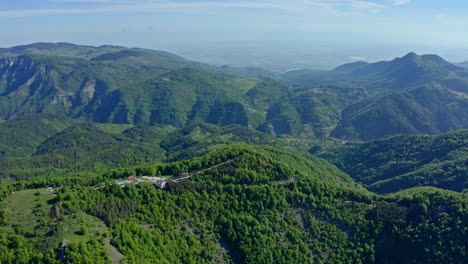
201, 171
114, 253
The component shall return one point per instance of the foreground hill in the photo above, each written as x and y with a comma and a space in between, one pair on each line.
401, 162
245, 205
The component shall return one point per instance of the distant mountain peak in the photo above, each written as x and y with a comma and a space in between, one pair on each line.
427, 58
410, 55
111, 46
351, 66
409, 71
463, 64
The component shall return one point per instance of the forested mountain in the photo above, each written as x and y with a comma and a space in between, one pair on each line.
425, 110
246, 205
44, 145
401, 162
311, 111
410, 95
111, 84
126, 94
408, 71
109, 53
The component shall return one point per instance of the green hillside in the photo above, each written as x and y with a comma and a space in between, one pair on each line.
68, 147
243, 205
409, 95
311, 111
402, 162
144, 59
425, 110
112, 89
21, 136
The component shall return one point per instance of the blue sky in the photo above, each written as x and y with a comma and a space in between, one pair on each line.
264, 31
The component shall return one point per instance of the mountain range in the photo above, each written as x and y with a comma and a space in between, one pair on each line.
111, 84
409, 71
412, 94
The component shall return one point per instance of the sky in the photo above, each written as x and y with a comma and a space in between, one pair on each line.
276, 34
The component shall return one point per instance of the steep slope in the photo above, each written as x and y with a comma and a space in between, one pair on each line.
402, 162
131, 93
57, 85
426, 110
314, 112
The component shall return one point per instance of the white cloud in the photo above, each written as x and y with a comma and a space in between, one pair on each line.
401, 2
367, 6
334, 7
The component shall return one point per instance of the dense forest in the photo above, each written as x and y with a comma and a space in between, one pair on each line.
401, 162
260, 206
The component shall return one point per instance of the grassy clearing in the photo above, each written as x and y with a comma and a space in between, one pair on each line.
36, 214
80, 227
116, 256
28, 207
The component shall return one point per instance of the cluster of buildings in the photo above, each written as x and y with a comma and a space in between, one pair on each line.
130, 180
159, 182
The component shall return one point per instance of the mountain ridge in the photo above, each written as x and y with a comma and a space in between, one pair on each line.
400, 73
112, 84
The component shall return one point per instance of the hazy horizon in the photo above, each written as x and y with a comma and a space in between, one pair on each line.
272, 34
